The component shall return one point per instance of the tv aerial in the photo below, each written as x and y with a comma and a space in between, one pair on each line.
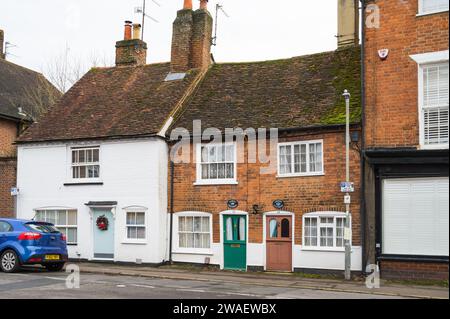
220, 8
141, 10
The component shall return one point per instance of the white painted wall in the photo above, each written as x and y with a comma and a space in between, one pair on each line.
134, 173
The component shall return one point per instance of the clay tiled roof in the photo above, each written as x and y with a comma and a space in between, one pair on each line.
113, 102
298, 92
21, 87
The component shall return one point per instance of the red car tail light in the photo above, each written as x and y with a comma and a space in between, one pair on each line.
63, 237
29, 236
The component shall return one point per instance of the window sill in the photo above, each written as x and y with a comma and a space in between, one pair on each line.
84, 183
423, 14
134, 242
434, 147
324, 249
207, 252
300, 175
215, 183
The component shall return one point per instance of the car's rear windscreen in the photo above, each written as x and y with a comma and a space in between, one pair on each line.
43, 228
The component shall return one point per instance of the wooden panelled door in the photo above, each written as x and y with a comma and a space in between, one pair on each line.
279, 243
235, 242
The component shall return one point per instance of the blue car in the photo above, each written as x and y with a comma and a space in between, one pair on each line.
27, 242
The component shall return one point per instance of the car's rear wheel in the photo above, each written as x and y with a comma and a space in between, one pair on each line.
55, 267
9, 262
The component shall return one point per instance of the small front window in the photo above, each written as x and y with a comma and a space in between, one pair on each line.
323, 232
64, 220
300, 158
217, 163
194, 232
435, 105
85, 163
135, 225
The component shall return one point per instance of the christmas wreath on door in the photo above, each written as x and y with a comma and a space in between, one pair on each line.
102, 223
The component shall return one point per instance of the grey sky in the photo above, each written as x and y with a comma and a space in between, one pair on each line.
256, 29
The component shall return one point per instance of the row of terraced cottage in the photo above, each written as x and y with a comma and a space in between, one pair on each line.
105, 164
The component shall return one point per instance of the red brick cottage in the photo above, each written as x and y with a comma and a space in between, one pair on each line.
226, 211
24, 94
406, 137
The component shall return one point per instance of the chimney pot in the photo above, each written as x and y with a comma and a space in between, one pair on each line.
136, 31
204, 4
187, 5
131, 51
127, 33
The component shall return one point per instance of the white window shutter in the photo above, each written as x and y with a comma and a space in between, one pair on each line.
435, 104
434, 5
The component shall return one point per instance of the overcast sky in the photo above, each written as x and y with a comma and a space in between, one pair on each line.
255, 30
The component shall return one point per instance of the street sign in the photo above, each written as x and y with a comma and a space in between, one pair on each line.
347, 187
14, 191
347, 200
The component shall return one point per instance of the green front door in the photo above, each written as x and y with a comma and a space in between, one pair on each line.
235, 242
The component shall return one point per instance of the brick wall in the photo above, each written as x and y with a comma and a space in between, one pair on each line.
301, 194
414, 270
8, 134
391, 85
8, 168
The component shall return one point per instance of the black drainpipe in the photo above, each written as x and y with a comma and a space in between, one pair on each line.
363, 144
172, 169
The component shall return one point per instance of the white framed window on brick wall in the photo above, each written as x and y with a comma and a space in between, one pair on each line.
432, 6
300, 158
434, 104
216, 164
63, 219
193, 232
323, 231
85, 163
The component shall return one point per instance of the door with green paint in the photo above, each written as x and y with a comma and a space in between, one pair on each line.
235, 242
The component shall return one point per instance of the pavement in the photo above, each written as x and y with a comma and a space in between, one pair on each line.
264, 279
111, 281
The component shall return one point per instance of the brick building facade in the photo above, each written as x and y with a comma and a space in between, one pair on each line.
23, 95
406, 137
225, 210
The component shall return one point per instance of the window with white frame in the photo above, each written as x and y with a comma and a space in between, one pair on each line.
64, 220
300, 158
323, 231
217, 163
432, 6
85, 163
135, 225
434, 104
194, 232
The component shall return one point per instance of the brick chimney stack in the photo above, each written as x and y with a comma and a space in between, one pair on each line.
202, 37
131, 51
191, 39
348, 23
2, 45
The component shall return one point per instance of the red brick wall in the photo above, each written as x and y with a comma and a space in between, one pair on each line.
414, 270
7, 180
391, 85
301, 194
8, 134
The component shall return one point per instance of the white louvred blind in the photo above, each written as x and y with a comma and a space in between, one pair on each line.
435, 104
428, 6
415, 216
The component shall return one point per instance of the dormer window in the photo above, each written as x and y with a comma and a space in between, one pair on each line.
85, 163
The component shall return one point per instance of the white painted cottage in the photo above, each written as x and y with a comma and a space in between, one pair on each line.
97, 164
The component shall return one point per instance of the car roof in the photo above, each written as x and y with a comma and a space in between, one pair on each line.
13, 220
